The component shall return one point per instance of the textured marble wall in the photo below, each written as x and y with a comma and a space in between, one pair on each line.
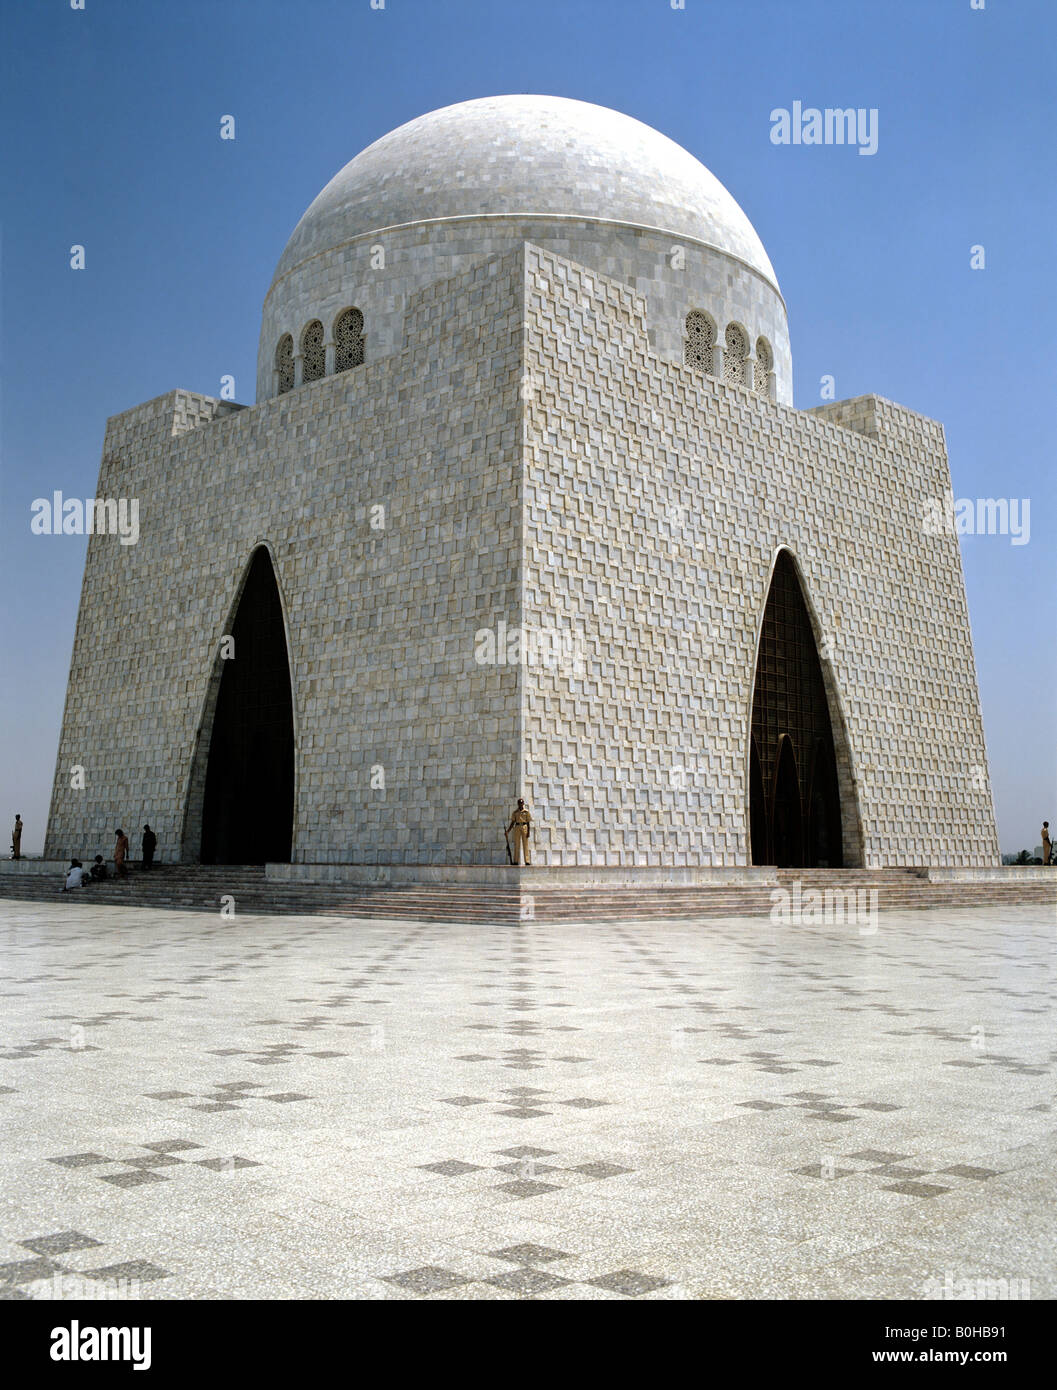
380, 622
675, 274
655, 502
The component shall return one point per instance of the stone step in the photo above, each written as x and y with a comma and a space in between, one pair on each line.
201, 887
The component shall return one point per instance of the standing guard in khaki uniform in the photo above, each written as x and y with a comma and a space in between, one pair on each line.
520, 824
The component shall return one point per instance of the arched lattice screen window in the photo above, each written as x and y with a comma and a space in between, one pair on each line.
284, 362
314, 358
736, 353
699, 342
764, 366
348, 340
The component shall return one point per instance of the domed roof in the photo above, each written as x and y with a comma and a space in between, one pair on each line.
526, 156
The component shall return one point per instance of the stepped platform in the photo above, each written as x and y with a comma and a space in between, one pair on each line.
497, 896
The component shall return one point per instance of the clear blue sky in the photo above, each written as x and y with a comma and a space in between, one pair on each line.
111, 120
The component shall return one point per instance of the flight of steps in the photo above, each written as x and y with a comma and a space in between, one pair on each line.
202, 887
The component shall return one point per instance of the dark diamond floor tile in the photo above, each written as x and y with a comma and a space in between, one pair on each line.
526, 1187
136, 1178
428, 1279
220, 1165
523, 1113
214, 1106
464, 1100
584, 1103
526, 1151
629, 1282
169, 1095
916, 1189
760, 1105
26, 1271
878, 1105
528, 1254
898, 1170
59, 1243
526, 1167
600, 1170
820, 1170
167, 1146
450, 1167
81, 1160
965, 1170
284, 1097
129, 1269
151, 1161
526, 1281
877, 1156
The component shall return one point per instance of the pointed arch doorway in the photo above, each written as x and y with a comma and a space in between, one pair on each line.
248, 800
795, 810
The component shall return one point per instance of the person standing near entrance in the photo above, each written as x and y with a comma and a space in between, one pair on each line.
150, 844
520, 824
121, 853
16, 838
1046, 846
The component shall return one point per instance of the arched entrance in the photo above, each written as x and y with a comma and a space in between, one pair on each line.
248, 804
794, 796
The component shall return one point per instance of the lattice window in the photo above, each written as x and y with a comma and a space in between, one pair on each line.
737, 351
313, 354
699, 341
348, 340
764, 366
284, 363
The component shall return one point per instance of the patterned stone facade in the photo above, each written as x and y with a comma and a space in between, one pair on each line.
380, 621
541, 466
699, 278
656, 500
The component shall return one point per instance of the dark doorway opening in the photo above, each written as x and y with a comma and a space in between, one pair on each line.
248, 808
794, 794
787, 822
824, 827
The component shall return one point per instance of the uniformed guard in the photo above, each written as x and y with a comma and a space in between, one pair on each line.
520, 824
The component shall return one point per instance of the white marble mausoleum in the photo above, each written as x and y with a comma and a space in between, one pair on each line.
524, 508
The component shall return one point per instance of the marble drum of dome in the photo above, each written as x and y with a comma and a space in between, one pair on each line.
470, 181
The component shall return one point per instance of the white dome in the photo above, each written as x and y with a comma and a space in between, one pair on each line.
509, 156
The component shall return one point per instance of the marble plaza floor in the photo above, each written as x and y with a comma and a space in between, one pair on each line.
315, 1108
